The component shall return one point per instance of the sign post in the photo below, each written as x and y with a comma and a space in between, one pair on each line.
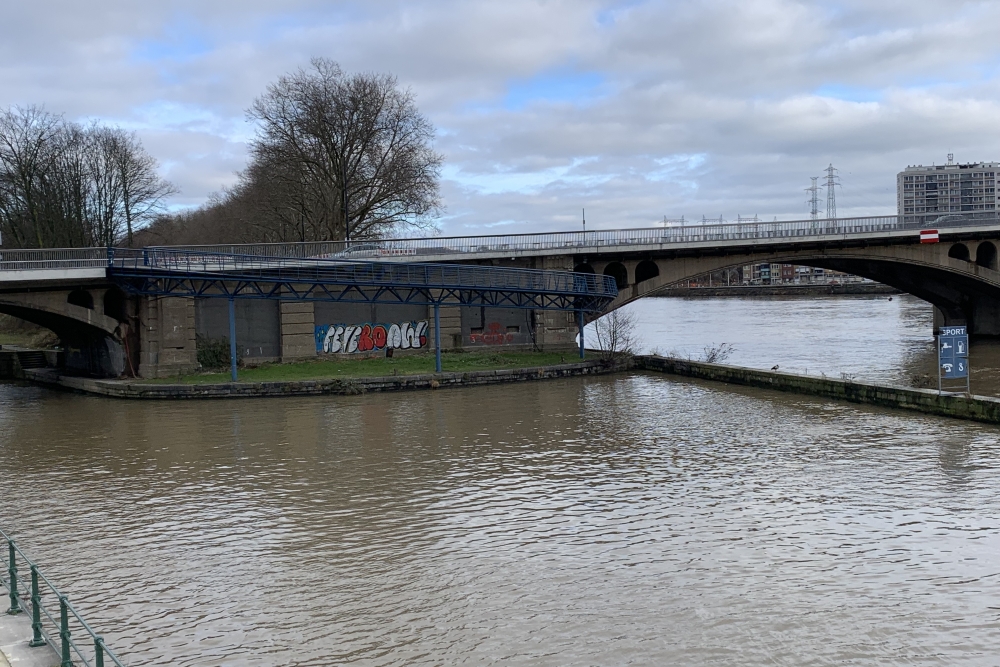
953, 357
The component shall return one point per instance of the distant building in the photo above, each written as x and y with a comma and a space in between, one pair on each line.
923, 194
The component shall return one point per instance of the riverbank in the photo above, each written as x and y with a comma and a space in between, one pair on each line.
974, 408
340, 367
345, 386
780, 290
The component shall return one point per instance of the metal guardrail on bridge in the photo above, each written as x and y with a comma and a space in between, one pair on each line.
456, 248
47, 629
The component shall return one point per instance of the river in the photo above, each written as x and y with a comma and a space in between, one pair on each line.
631, 519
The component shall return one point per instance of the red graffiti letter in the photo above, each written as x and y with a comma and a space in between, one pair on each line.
365, 341
379, 337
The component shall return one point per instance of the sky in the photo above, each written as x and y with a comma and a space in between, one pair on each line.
634, 110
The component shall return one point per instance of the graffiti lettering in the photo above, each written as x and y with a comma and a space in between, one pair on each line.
369, 337
492, 335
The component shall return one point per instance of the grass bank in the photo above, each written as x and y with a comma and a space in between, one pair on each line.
414, 364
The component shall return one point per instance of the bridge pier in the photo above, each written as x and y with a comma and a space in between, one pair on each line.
168, 342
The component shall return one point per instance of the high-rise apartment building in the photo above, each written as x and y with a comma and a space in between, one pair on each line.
923, 194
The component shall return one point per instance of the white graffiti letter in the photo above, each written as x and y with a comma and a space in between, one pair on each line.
406, 331
394, 337
332, 343
421, 332
351, 335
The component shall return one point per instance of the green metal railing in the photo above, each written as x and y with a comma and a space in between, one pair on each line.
57, 631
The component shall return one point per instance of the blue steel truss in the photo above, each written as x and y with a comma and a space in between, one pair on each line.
188, 273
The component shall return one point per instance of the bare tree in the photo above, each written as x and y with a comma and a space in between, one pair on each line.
27, 138
143, 192
351, 154
65, 185
616, 334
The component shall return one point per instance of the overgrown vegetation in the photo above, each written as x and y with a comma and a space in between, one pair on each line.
717, 354
15, 331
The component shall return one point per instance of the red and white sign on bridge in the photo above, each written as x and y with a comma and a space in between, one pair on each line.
929, 236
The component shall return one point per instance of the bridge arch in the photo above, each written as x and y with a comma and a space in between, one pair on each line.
959, 251
81, 297
646, 270
617, 271
89, 338
115, 304
963, 292
986, 255
583, 267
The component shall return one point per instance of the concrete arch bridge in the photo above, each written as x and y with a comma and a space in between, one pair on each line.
110, 323
959, 276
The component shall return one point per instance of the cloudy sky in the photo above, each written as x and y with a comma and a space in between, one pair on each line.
635, 110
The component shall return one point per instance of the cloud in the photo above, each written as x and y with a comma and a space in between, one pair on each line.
633, 109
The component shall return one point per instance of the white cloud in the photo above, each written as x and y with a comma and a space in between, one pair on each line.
634, 110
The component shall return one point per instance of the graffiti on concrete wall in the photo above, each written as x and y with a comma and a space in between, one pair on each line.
493, 334
370, 337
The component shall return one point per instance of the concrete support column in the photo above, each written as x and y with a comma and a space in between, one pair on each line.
451, 328
167, 339
555, 330
298, 330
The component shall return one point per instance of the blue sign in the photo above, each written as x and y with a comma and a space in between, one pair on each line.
953, 350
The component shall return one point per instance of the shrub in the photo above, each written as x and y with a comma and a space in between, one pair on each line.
213, 353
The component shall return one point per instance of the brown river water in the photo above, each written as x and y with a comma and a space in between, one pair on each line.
631, 519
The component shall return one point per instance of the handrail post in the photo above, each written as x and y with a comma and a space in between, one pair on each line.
36, 611
64, 632
99, 651
232, 338
15, 605
437, 338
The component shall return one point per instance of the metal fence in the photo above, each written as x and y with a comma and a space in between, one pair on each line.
59, 628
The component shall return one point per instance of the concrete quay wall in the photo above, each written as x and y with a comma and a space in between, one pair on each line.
334, 386
976, 408
862, 289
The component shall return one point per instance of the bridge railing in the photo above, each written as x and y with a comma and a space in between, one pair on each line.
363, 272
597, 240
58, 626
53, 258
458, 247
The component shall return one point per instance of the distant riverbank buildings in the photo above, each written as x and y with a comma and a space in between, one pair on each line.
924, 194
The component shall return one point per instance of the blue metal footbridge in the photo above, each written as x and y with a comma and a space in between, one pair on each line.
198, 273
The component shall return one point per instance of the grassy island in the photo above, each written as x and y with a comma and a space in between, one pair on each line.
410, 364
